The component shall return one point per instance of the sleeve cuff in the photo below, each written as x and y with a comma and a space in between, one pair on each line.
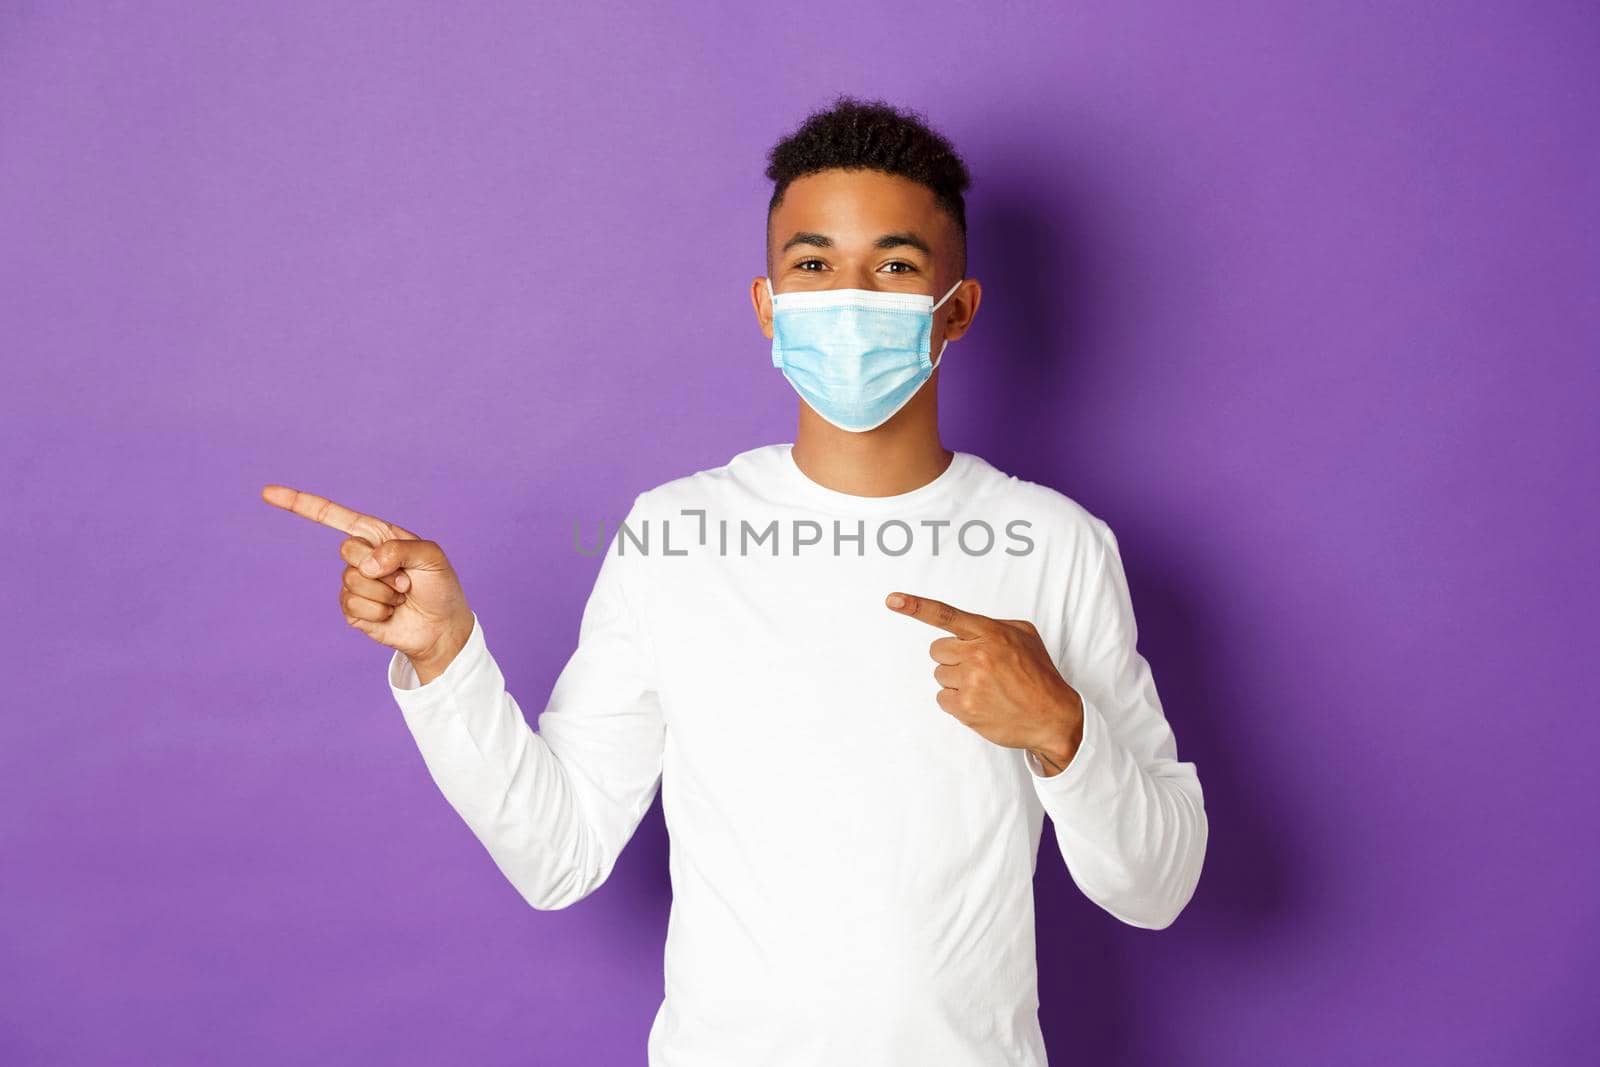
1083, 763
403, 674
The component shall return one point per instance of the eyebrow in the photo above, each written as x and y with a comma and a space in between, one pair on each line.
889, 240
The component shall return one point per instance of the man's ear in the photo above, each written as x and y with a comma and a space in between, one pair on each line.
963, 305
763, 304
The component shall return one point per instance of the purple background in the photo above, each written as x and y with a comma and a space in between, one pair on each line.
1302, 299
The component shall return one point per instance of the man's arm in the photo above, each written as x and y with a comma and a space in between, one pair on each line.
555, 807
1129, 818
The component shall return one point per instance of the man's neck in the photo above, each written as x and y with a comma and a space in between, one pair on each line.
903, 454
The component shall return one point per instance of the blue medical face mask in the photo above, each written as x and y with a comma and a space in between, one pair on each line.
856, 356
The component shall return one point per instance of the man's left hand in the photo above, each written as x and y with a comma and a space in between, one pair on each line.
998, 678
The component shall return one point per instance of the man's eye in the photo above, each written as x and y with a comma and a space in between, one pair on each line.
803, 262
900, 263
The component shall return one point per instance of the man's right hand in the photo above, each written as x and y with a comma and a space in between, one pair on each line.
396, 588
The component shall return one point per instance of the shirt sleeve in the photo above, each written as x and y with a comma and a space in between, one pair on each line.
553, 807
1129, 818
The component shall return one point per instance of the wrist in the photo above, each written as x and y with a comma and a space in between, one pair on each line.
438, 657
1056, 749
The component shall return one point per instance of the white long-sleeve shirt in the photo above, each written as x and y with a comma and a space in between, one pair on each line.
851, 866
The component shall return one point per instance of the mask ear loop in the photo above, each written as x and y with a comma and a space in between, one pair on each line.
946, 342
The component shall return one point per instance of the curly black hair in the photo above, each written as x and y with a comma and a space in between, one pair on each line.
875, 135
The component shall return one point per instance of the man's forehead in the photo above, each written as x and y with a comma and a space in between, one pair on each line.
855, 206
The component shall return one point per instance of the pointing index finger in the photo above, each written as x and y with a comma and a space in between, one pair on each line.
938, 613
321, 510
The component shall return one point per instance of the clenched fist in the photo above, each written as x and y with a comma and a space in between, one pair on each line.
396, 588
999, 679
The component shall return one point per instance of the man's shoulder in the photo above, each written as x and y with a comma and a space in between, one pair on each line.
752, 466
1043, 503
